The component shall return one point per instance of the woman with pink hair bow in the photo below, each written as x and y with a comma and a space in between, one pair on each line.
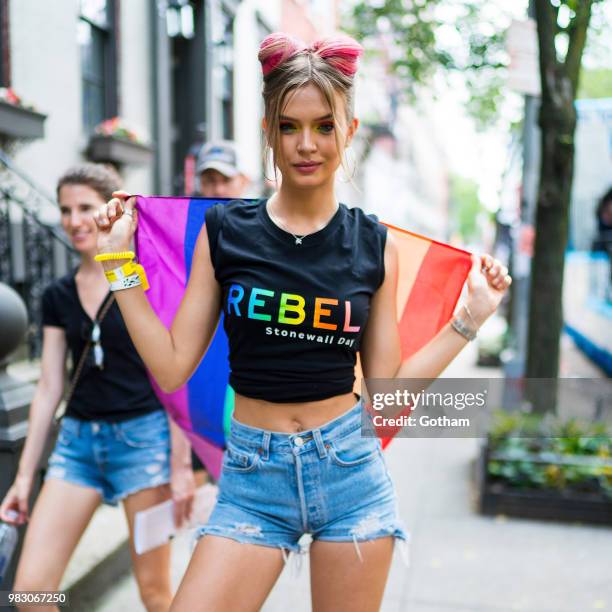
304, 284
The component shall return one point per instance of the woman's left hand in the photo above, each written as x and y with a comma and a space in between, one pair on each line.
487, 281
183, 486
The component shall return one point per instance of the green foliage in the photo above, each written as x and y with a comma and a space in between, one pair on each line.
595, 83
531, 451
420, 37
465, 207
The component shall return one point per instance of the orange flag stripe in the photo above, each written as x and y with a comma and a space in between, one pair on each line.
430, 279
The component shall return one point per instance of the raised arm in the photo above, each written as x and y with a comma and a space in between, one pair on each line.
170, 355
487, 282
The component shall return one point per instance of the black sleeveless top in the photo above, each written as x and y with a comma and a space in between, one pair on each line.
294, 313
122, 389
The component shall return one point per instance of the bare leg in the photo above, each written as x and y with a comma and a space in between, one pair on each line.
201, 477
341, 582
60, 515
227, 576
151, 569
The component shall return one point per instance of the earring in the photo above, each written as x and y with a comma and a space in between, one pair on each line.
350, 162
268, 163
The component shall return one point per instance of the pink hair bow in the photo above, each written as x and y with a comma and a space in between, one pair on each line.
341, 52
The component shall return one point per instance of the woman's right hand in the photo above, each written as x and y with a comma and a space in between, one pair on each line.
116, 221
14, 508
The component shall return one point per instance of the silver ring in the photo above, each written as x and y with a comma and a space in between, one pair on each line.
129, 213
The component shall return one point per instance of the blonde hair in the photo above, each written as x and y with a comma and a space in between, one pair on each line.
288, 65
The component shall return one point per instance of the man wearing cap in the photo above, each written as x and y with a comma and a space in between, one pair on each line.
219, 171
220, 177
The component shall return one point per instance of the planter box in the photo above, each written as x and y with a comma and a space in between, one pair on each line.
498, 498
16, 122
117, 150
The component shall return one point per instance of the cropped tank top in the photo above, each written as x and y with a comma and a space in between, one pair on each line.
294, 313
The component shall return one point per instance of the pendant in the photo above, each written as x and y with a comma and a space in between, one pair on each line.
298, 240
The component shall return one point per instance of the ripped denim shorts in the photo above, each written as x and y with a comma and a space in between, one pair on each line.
329, 482
116, 459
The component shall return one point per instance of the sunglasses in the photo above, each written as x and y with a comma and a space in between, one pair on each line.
98, 353
94, 334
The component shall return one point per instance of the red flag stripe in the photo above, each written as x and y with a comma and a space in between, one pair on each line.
431, 277
434, 295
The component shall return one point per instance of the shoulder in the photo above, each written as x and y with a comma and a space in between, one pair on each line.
235, 207
232, 212
367, 225
60, 287
55, 298
368, 237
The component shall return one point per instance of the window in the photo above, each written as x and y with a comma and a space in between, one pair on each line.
223, 70
5, 60
97, 43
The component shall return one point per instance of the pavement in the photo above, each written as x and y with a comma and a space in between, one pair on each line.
459, 561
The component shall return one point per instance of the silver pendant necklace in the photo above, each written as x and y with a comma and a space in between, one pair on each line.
298, 239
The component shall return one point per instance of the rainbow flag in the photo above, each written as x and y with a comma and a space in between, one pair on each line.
431, 276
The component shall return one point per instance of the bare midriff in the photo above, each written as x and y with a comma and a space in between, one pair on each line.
293, 417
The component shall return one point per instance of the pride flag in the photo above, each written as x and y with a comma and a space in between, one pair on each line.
431, 276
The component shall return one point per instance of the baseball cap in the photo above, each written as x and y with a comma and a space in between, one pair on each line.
220, 155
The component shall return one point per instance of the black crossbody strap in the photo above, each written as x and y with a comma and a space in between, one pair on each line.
83, 357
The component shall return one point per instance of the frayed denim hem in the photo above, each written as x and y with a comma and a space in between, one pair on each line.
401, 538
247, 534
293, 551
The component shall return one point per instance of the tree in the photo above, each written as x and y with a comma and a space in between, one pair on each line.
559, 76
420, 37
410, 27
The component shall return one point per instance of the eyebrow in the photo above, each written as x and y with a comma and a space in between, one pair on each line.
328, 116
65, 206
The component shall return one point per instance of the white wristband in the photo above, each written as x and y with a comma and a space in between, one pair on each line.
127, 282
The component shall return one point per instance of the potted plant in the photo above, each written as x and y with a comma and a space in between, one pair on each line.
112, 141
539, 467
17, 119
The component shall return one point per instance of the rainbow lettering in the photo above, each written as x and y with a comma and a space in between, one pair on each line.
292, 308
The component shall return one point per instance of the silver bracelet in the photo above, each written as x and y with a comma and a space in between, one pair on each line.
469, 314
460, 326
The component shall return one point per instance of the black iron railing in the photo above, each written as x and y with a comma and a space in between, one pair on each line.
32, 252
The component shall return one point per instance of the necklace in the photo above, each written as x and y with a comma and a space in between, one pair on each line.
298, 239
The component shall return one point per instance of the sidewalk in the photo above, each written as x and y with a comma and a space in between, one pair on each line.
460, 561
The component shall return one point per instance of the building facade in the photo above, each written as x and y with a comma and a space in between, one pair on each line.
140, 84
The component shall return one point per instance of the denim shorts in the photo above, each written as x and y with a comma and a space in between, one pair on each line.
116, 459
328, 482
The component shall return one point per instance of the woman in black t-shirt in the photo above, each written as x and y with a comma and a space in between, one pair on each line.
114, 442
303, 283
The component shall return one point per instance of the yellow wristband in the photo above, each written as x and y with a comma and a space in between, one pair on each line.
115, 256
127, 269
143, 276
